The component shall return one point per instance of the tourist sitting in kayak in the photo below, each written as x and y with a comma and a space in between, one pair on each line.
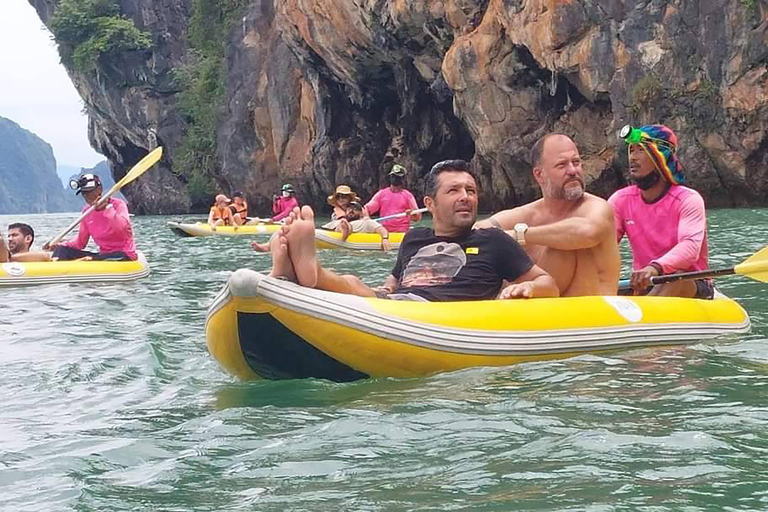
19, 247
239, 208
340, 200
283, 205
451, 262
20, 238
665, 222
356, 222
568, 232
220, 214
108, 224
394, 199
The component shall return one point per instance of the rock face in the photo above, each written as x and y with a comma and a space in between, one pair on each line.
324, 92
28, 179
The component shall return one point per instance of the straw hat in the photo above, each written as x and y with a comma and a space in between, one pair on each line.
342, 190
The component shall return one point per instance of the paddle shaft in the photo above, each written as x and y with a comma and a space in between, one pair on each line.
136, 171
401, 214
671, 278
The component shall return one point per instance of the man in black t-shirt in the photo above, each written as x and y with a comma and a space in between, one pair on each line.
451, 262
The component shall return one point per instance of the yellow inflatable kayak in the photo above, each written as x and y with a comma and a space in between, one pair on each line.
259, 326
325, 239
203, 229
22, 274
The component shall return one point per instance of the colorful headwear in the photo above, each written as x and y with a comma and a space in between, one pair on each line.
660, 144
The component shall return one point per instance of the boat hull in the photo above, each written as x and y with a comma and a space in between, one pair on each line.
203, 229
26, 274
262, 327
325, 239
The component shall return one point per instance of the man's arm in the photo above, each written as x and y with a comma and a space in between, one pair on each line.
503, 220
534, 283
415, 217
119, 216
389, 285
210, 218
5, 254
578, 232
81, 240
372, 206
382, 231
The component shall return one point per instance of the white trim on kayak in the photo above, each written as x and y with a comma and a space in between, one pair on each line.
356, 313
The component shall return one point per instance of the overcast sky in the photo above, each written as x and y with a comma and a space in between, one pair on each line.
35, 90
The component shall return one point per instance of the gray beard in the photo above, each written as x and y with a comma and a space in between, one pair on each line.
570, 194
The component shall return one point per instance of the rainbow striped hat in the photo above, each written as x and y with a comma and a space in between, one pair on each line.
660, 144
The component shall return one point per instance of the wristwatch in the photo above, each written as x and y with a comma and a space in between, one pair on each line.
520, 229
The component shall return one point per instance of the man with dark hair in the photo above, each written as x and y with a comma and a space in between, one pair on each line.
451, 262
394, 199
665, 222
568, 232
20, 237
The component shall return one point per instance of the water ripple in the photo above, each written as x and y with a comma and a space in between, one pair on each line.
111, 402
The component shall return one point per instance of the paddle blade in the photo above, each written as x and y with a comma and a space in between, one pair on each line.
140, 168
755, 267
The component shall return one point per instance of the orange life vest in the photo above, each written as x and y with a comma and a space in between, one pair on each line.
222, 213
241, 209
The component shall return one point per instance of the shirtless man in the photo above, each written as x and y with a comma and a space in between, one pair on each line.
568, 233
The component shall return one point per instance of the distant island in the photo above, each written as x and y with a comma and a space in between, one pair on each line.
29, 179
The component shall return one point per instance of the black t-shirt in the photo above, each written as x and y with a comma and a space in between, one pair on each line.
468, 267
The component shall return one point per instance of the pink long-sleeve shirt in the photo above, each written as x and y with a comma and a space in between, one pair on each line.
671, 232
283, 207
387, 202
110, 229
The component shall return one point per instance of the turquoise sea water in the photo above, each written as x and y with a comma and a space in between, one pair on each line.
110, 401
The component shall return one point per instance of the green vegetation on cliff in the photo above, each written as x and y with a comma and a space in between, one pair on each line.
203, 87
88, 30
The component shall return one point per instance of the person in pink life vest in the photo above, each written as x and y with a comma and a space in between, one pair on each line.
109, 225
394, 199
283, 206
665, 222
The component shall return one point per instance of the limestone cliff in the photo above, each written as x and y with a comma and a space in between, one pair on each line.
28, 180
320, 92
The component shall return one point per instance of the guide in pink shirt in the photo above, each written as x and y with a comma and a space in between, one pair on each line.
283, 206
664, 221
394, 199
109, 225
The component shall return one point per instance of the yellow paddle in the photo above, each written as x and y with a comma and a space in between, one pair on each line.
754, 267
137, 170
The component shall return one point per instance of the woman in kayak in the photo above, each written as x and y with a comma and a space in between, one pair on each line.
283, 205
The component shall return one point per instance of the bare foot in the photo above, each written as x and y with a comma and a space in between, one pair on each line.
259, 247
300, 232
281, 262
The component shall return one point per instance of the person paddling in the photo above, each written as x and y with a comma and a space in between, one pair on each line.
394, 199
108, 224
283, 205
665, 222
